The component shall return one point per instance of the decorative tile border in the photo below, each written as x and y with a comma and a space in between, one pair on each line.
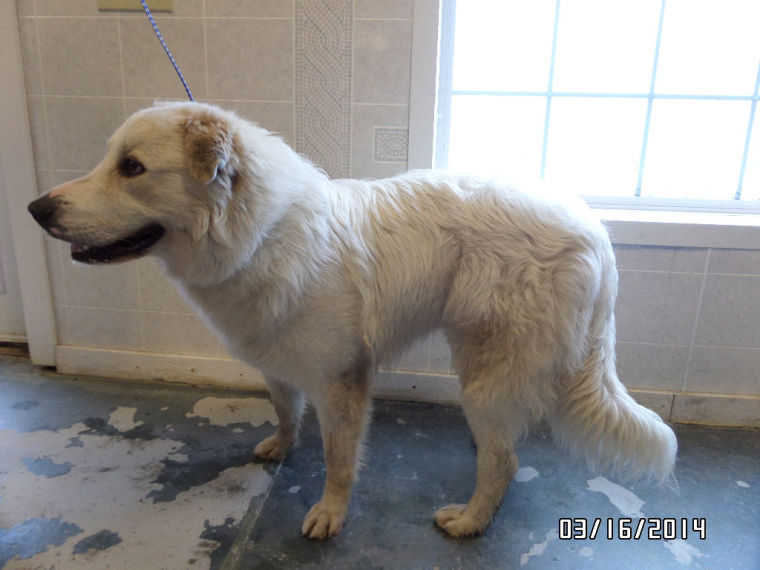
323, 30
391, 144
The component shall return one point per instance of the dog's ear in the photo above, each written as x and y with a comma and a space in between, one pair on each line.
208, 145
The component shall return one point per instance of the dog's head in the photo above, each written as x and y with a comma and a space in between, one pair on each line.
165, 172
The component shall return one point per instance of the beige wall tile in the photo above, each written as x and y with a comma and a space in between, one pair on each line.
250, 59
382, 61
38, 128
89, 8
148, 71
662, 404
157, 292
25, 7
30, 57
440, 354
101, 328
80, 56
736, 261
107, 286
675, 259
69, 8
415, 359
276, 117
657, 307
716, 410
366, 118
730, 314
134, 104
722, 370
79, 129
653, 366
174, 333
56, 252
384, 9
250, 8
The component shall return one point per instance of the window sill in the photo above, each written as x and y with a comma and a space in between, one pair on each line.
682, 229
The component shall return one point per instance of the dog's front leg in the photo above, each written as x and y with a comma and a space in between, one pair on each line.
343, 412
288, 405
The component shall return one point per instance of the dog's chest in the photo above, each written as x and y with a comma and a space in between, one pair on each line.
287, 336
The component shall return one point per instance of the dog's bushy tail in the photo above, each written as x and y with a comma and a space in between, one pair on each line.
596, 419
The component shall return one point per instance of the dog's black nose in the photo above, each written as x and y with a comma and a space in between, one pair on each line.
42, 209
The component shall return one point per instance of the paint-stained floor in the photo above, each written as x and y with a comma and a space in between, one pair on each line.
99, 474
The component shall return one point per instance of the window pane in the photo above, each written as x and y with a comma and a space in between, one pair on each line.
497, 135
695, 149
595, 145
709, 47
751, 184
503, 45
605, 46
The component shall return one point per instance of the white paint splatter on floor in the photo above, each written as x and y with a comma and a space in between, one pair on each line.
526, 474
538, 548
587, 552
683, 552
107, 488
226, 411
123, 419
625, 501
742, 484
294, 489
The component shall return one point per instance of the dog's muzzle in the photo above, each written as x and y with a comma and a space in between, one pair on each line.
43, 210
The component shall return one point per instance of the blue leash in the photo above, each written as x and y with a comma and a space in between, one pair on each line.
166, 48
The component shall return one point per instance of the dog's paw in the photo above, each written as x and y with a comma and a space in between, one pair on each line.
273, 448
454, 520
322, 522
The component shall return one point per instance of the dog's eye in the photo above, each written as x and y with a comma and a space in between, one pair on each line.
131, 167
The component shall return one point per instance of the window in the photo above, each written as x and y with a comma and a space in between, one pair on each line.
624, 101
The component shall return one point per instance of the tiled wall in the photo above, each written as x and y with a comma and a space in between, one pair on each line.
332, 77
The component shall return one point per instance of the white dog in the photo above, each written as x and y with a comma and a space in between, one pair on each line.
316, 281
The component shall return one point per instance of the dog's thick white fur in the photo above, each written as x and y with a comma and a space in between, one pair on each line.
316, 281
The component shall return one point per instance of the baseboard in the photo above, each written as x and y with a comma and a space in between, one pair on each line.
681, 407
129, 365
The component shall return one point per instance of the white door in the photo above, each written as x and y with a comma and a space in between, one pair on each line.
11, 312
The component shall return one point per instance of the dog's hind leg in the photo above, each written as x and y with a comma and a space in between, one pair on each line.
288, 405
495, 425
343, 411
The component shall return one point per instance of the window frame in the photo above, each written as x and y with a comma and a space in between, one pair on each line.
430, 105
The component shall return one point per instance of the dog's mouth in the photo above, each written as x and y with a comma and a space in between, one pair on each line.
124, 249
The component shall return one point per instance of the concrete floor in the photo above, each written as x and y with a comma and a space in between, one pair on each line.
103, 474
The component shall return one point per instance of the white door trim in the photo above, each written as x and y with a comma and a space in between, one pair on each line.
17, 160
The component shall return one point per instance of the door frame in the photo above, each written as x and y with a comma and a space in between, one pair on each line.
19, 178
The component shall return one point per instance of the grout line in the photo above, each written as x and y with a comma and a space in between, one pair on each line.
138, 97
351, 75
121, 69
720, 274
205, 47
295, 77
163, 15
383, 19
43, 92
696, 322
623, 270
